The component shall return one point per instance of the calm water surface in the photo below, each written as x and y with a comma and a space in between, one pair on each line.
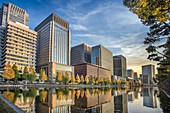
103, 100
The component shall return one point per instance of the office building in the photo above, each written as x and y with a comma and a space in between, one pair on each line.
92, 70
53, 46
130, 73
18, 42
80, 53
103, 57
135, 75
10, 12
120, 66
149, 71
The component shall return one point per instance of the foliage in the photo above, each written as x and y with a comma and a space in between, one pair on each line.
82, 79
25, 73
43, 76
59, 77
43, 96
101, 81
17, 75
32, 77
65, 78
72, 78
8, 72
87, 79
96, 79
77, 78
156, 15
8, 95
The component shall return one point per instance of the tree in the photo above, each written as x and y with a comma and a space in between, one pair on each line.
156, 15
78, 78
65, 78
8, 72
31, 75
43, 76
96, 79
72, 78
17, 75
25, 73
87, 79
59, 77
101, 80
82, 79
43, 96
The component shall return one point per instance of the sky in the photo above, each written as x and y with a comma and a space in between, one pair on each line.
106, 22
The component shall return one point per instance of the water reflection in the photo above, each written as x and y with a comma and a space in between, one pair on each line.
93, 100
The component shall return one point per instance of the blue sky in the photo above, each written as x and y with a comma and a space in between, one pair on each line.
93, 22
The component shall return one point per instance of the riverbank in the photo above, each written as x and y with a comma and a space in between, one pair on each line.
5, 108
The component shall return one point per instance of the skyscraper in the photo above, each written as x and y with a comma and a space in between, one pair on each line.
80, 54
130, 73
53, 46
148, 70
120, 65
102, 56
18, 42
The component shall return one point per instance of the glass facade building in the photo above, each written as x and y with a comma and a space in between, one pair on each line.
120, 66
53, 45
102, 57
80, 53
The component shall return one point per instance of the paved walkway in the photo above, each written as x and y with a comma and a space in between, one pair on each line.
13, 106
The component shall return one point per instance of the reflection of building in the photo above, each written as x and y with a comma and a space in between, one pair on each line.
18, 42
92, 70
149, 99
94, 103
119, 65
80, 53
121, 104
102, 57
28, 106
131, 97
148, 70
130, 73
53, 44
55, 103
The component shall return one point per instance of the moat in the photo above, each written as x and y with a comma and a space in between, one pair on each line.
91, 100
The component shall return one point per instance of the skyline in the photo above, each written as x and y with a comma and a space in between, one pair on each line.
122, 34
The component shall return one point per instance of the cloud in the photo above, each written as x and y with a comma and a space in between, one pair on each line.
78, 27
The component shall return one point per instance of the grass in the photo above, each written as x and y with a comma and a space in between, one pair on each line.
4, 108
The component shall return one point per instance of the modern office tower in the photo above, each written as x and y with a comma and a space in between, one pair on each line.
149, 71
80, 53
53, 46
120, 65
18, 42
103, 57
135, 75
10, 12
130, 73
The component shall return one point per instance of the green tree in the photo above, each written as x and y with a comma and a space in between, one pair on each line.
31, 75
25, 73
8, 72
156, 15
65, 78
17, 75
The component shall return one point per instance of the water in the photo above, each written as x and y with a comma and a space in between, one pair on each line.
103, 100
